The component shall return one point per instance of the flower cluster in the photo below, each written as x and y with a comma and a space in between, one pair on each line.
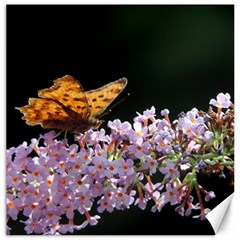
50, 180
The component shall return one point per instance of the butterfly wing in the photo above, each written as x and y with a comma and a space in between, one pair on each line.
99, 99
49, 114
68, 91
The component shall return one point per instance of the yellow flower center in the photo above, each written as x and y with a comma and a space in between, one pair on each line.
138, 133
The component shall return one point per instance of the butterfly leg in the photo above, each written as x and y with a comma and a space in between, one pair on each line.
65, 134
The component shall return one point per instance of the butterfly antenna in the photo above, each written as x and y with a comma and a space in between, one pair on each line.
110, 109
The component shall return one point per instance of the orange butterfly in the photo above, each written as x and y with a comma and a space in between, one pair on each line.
66, 106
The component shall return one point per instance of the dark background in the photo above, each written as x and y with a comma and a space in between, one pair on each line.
174, 56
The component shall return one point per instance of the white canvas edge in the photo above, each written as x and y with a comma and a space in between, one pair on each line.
216, 216
231, 229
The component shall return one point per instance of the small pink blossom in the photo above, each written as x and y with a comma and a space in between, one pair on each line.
223, 101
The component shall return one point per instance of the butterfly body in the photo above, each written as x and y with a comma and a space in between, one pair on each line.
65, 105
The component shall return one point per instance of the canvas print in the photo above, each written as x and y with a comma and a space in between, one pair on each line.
118, 117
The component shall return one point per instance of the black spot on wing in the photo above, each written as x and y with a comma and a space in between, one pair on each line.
79, 99
81, 107
58, 109
107, 100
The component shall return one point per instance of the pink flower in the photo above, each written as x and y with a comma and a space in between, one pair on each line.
171, 195
105, 204
223, 101
124, 200
159, 204
126, 167
13, 206
150, 164
147, 114
91, 220
138, 134
169, 171
163, 141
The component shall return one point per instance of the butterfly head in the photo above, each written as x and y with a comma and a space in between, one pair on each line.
96, 123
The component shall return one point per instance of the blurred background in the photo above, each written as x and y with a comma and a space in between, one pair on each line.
174, 56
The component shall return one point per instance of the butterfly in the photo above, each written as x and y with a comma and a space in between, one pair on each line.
66, 106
